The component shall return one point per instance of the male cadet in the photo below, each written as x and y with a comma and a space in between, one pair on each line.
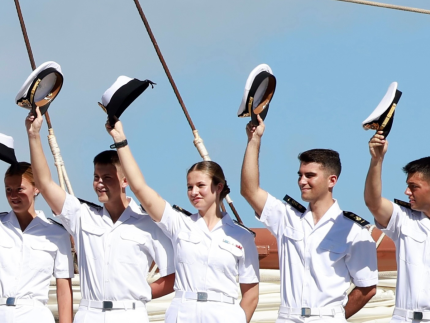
321, 248
408, 225
115, 244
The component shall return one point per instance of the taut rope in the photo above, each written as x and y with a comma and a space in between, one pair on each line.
388, 6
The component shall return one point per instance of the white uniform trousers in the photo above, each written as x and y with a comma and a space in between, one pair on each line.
96, 315
293, 316
401, 316
182, 310
25, 314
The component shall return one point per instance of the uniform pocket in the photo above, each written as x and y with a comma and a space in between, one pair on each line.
293, 234
188, 249
333, 249
130, 247
412, 243
6, 249
43, 255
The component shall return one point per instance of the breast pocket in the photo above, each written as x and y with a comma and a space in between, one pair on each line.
42, 256
6, 250
332, 251
188, 249
412, 245
131, 246
228, 257
293, 242
91, 234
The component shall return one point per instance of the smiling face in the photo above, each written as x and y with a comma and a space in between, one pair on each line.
202, 192
108, 182
20, 193
418, 191
315, 182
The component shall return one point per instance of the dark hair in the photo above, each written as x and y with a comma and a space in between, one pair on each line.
329, 159
21, 169
214, 171
419, 166
107, 157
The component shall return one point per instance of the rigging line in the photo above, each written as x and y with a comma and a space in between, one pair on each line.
198, 142
388, 6
29, 51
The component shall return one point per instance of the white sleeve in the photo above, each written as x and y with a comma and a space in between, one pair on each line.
70, 214
164, 256
273, 215
63, 262
249, 267
171, 221
393, 228
362, 261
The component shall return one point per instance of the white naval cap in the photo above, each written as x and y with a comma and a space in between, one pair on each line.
121, 94
41, 87
259, 90
382, 117
7, 152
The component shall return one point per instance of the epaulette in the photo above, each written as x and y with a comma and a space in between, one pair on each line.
3, 213
403, 203
294, 204
178, 208
354, 217
56, 223
97, 207
246, 228
142, 208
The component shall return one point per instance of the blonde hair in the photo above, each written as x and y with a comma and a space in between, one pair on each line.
21, 169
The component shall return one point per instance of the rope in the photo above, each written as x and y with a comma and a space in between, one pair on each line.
388, 6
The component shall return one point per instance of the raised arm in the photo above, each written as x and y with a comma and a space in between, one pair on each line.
53, 194
380, 207
150, 200
250, 177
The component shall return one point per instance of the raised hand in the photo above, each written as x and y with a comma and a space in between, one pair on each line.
116, 131
33, 123
253, 131
378, 146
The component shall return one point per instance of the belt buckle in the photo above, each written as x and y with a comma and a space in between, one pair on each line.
202, 297
10, 301
418, 316
306, 312
107, 305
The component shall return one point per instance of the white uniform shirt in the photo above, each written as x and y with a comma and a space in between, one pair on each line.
29, 259
410, 231
317, 262
114, 258
210, 260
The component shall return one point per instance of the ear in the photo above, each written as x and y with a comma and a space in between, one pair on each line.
219, 188
332, 180
36, 191
124, 182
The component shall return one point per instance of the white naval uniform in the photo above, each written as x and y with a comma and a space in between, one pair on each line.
28, 260
410, 231
209, 261
114, 260
318, 262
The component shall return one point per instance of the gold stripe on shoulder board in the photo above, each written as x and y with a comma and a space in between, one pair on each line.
294, 203
354, 217
178, 208
403, 203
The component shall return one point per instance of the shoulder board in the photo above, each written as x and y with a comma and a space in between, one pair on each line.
402, 203
97, 207
294, 204
142, 208
56, 223
246, 228
3, 213
354, 217
178, 208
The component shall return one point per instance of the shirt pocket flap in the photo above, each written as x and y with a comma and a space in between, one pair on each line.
134, 236
236, 249
412, 233
294, 234
333, 246
92, 229
6, 241
45, 246
188, 236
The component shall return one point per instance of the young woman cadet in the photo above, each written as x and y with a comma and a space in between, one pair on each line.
210, 249
32, 249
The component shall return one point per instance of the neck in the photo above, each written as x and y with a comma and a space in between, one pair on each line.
212, 215
117, 207
320, 207
25, 218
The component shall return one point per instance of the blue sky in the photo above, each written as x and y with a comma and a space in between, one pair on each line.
333, 62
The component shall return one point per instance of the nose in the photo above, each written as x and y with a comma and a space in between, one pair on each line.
408, 191
194, 191
302, 180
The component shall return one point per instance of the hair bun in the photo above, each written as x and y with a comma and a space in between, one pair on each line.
226, 189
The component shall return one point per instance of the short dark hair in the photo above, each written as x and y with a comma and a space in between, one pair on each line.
21, 169
421, 165
107, 157
329, 159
